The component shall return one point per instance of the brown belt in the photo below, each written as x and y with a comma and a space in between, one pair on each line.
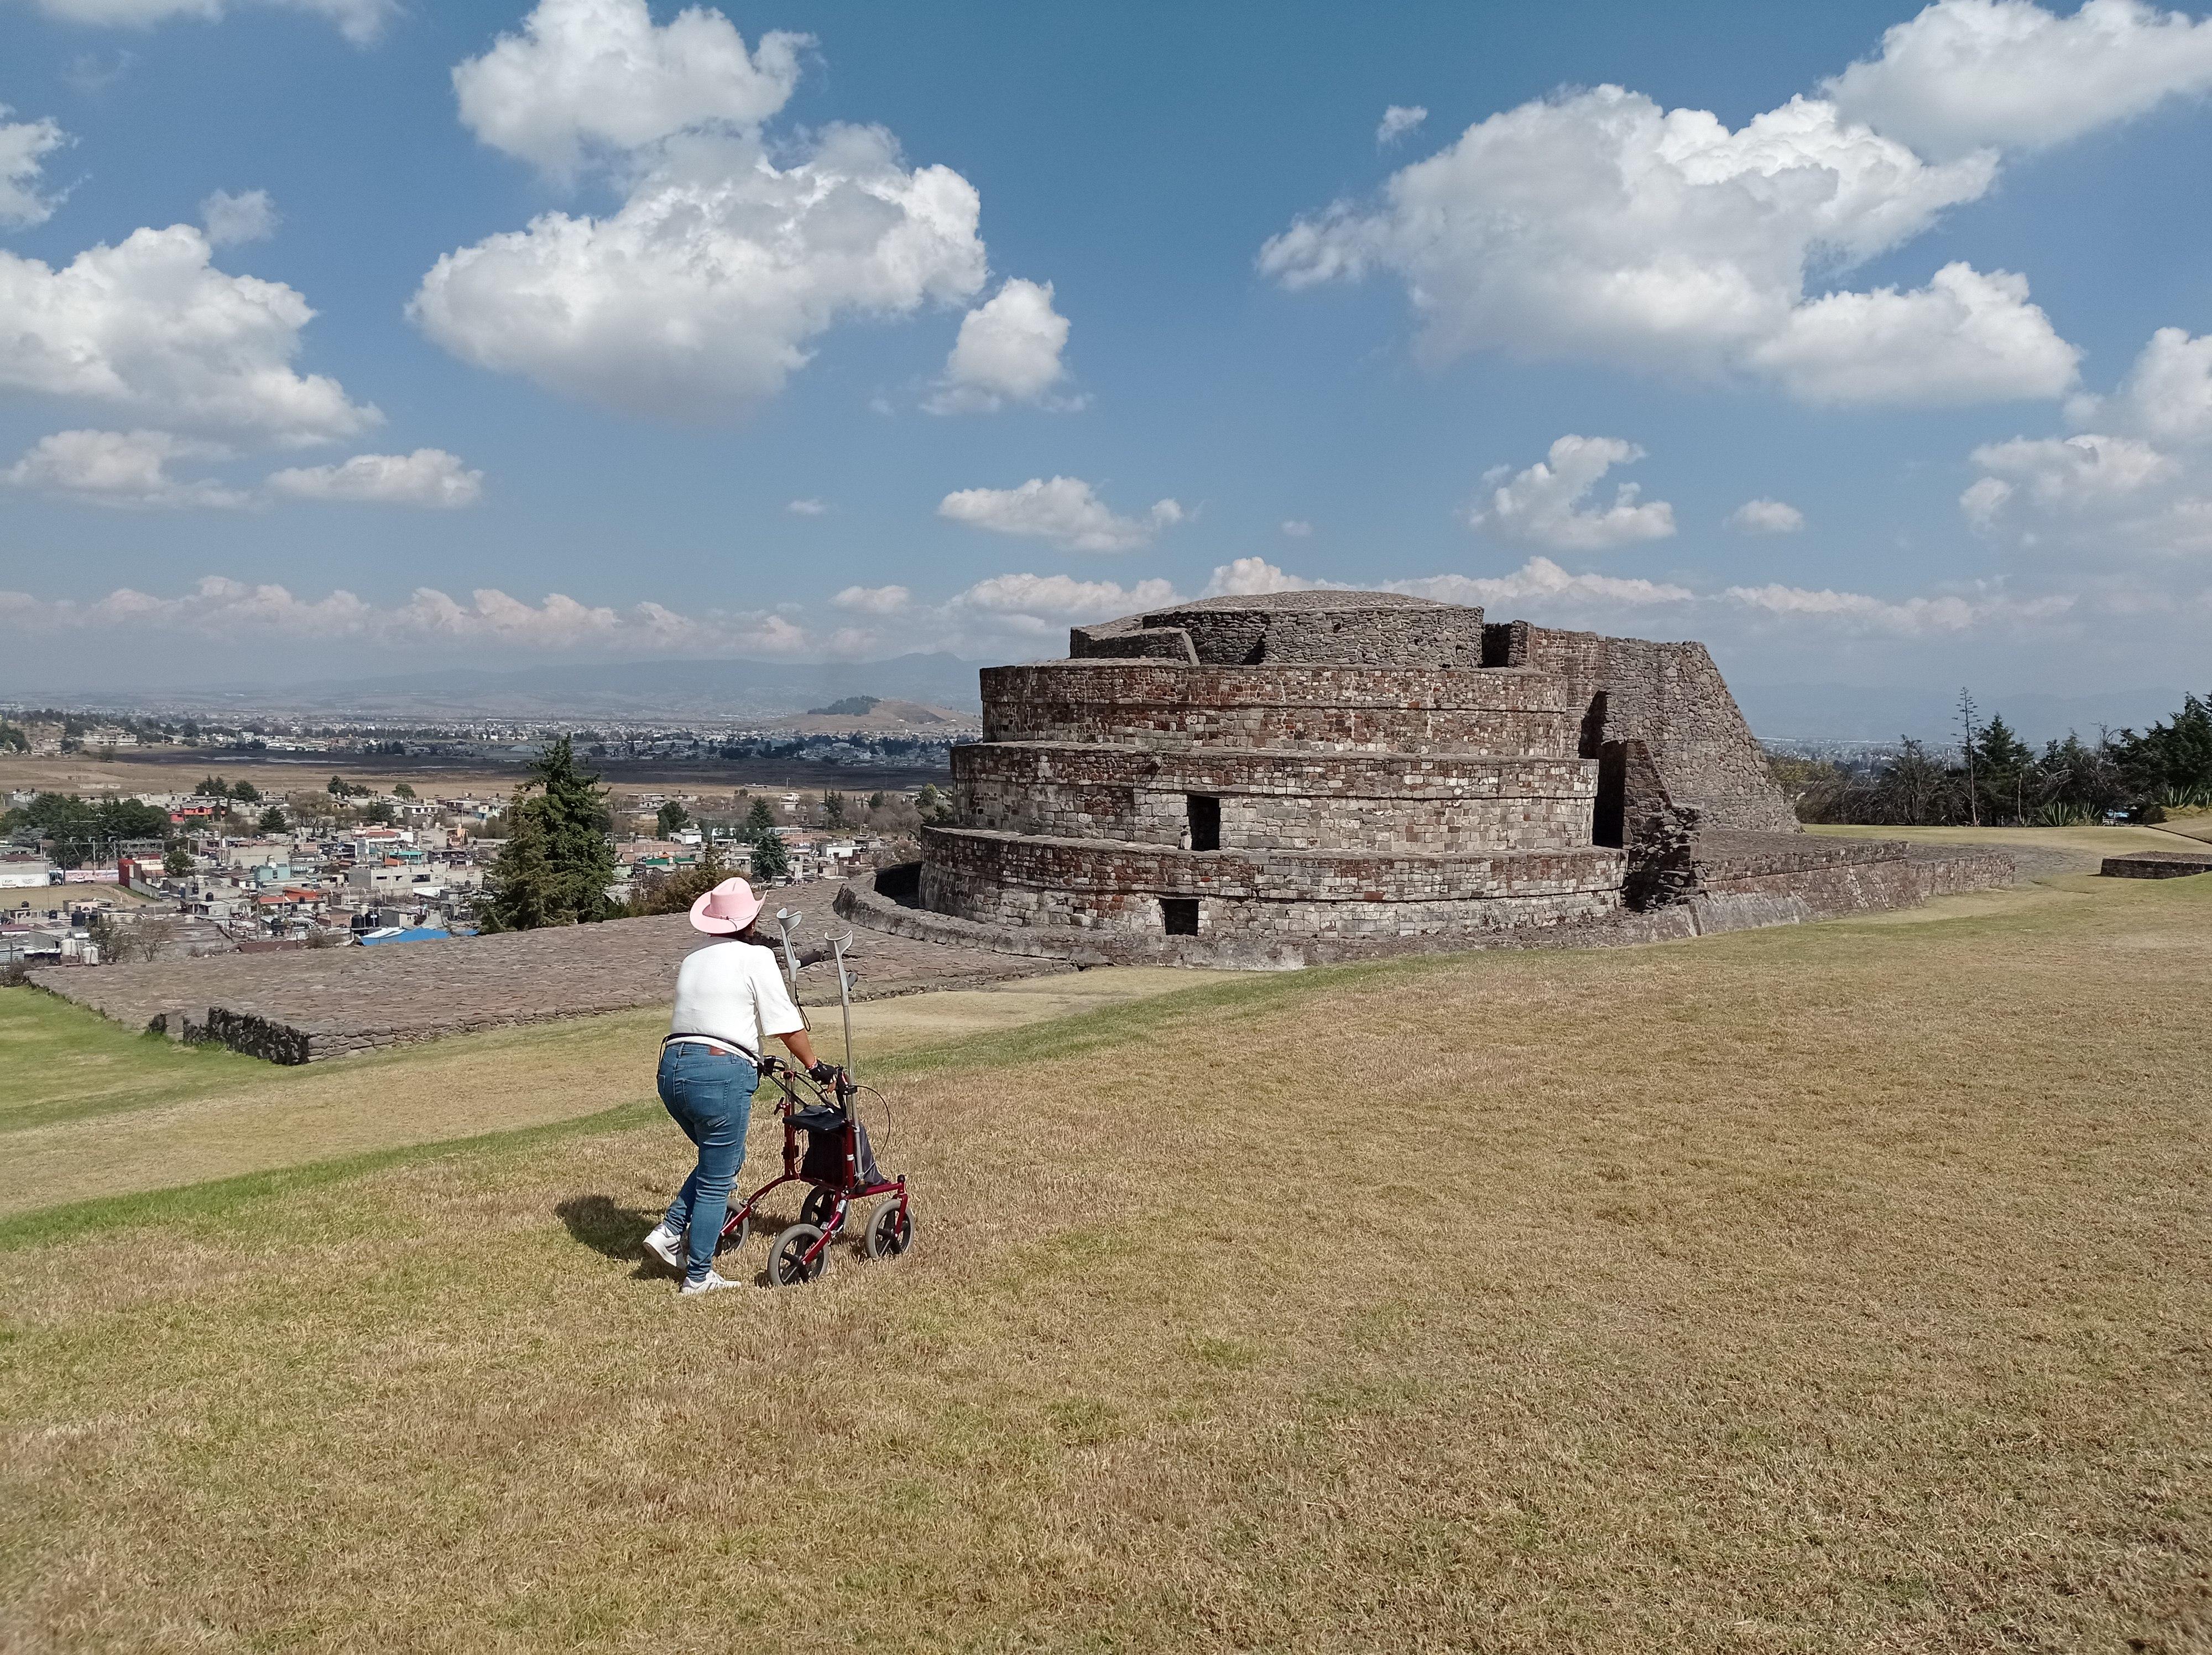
717, 1042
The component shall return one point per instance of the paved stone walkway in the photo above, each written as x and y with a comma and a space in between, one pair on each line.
300, 1007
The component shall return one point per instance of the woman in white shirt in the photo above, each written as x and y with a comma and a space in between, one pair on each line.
729, 998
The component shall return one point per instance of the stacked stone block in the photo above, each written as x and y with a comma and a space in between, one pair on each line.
1318, 765
1313, 775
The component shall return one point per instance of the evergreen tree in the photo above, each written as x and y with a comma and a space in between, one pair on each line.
558, 863
673, 817
2000, 770
771, 862
758, 820
833, 809
2174, 757
272, 820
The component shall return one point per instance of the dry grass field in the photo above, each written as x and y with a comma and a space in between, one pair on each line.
89, 1110
1833, 1288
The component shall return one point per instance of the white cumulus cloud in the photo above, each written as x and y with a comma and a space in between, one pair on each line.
1541, 580
150, 328
225, 610
360, 21
233, 219
1008, 351
873, 600
24, 147
429, 477
2142, 485
1599, 225
1918, 617
1255, 577
1064, 510
1965, 337
1298, 528
1399, 119
1766, 517
2074, 470
806, 507
118, 468
698, 297
2167, 395
1966, 74
1062, 597
588, 77
1545, 505
1983, 501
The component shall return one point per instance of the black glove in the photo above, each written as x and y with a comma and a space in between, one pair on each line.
823, 1073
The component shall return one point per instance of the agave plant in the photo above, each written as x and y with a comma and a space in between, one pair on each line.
2064, 815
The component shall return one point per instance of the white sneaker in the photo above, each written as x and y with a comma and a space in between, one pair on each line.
710, 1282
667, 1245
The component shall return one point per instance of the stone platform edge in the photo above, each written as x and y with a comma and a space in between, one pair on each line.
2157, 865
1769, 898
255, 1031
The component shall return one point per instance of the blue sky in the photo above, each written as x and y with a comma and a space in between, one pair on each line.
651, 333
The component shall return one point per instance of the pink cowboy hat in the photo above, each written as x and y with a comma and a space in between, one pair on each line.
728, 909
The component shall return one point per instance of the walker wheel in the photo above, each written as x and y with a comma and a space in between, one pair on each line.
736, 1233
786, 1259
890, 1230
818, 1207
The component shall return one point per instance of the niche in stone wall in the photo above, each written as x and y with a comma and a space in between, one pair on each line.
1205, 821
1180, 915
1610, 824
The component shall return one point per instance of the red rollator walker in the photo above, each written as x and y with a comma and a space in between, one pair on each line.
837, 1163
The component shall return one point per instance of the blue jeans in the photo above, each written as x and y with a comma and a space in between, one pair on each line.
710, 1094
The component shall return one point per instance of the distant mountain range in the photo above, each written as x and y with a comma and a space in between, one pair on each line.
676, 690
680, 690
1850, 712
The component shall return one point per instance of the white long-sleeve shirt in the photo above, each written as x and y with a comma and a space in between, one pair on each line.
733, 992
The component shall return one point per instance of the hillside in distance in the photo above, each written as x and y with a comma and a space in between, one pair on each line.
704, 690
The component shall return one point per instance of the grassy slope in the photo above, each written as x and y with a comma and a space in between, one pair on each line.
66, 1063
94, 1112
1834, 1288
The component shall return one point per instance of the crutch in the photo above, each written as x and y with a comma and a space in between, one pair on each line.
837, 946
787, 922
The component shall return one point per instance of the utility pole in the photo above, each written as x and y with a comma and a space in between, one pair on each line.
1966, 711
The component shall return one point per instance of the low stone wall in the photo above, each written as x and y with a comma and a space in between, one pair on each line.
2157, 865
1301, 801
1376, 629
1838, 878
315, 1004
1014, 879
1505, 714
1834, 877
868, 902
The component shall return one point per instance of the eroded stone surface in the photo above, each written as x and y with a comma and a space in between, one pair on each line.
301, 1006
1299, 776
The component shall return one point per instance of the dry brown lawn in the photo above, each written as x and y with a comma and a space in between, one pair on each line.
1839, 1289
93, 1111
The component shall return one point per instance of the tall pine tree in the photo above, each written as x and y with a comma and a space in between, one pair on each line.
558, 863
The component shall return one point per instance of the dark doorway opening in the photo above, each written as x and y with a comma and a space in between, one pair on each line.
1205, 822
1609, 825
1180, 914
